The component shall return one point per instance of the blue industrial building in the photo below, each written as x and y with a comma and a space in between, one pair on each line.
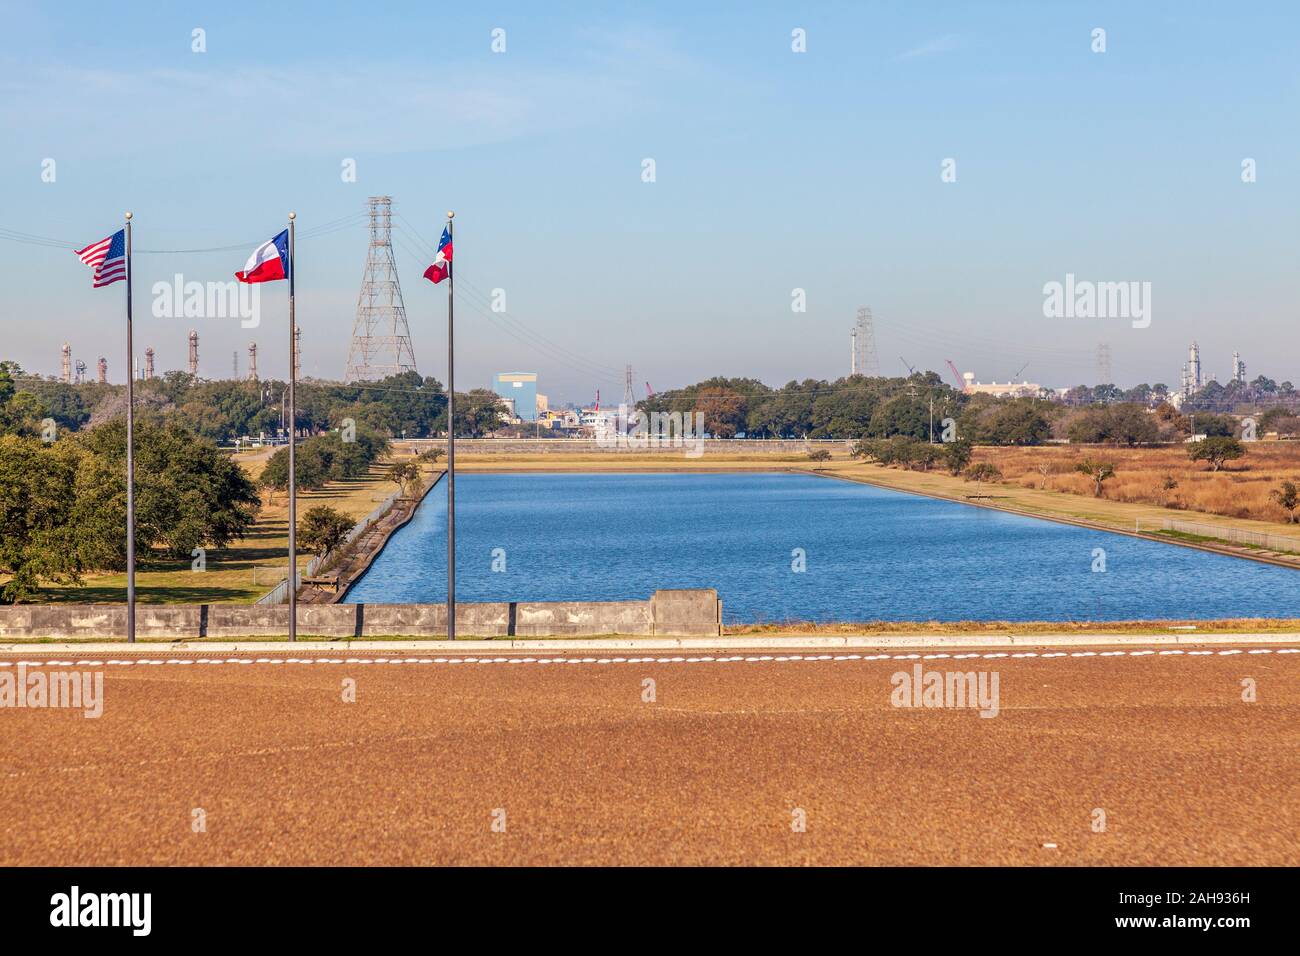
520, 388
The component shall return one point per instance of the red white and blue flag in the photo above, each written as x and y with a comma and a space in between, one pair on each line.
107, 257
442, 261
269, 261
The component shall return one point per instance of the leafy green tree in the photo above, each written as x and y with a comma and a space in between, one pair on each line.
478, 412
1288, 496
868, 449
1217, 451
901, 415
982, 472
1099, 471
408, 477
1123, 424
188, 494
924, 456
322, 529
724, 411
1214, 426
957, 455
323, 458
39, 539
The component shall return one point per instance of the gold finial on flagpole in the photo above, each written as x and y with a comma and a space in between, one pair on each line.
128, 215
450, 214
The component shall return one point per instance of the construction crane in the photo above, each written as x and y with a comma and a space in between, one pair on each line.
1022, 368
649, 393
910, 370
961, 382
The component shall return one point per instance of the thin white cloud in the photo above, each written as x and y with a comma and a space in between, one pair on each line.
390, 107
944, 44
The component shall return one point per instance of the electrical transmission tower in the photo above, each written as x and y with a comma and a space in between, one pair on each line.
381, 339
629, 399
1104, 375
865, 360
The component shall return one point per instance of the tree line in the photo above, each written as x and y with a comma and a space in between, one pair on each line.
407, 405
63, 502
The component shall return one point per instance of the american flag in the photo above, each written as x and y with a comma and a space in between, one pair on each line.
107, 257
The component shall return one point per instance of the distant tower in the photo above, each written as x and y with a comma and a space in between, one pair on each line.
67, 374
81, 378
1104, 374
1238, 369
148, 374
252, 375
193, 365
1194, 380
865, 360
853, 357
103, 380
234, 366
297, 359
629, 399
381, 339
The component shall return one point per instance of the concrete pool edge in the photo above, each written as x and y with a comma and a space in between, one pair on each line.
1226, 550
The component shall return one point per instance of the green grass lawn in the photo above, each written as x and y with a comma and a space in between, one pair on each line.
230, 576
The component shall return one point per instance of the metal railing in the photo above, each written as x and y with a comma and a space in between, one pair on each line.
1259, 539
280, 593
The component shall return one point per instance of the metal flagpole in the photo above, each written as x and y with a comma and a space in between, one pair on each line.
451, 444
293, 422
130, 451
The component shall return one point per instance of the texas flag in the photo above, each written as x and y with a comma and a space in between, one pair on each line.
269, 261
442, 261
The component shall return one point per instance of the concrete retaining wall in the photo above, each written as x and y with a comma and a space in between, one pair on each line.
694, 613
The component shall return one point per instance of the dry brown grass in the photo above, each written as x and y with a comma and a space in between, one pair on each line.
1240, 490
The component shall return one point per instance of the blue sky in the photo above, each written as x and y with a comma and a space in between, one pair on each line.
775, 170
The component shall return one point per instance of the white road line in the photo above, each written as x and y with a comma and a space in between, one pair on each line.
559, 659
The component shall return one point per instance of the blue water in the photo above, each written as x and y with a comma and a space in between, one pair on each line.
871, 554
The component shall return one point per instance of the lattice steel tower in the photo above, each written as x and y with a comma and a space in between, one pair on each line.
629, 398
381, 339
865, 361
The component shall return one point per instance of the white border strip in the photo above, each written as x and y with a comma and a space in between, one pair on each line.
705, 659
740, 642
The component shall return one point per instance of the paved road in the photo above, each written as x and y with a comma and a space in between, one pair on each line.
714, 770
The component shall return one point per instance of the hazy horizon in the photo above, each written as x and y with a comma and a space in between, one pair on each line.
775, 171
